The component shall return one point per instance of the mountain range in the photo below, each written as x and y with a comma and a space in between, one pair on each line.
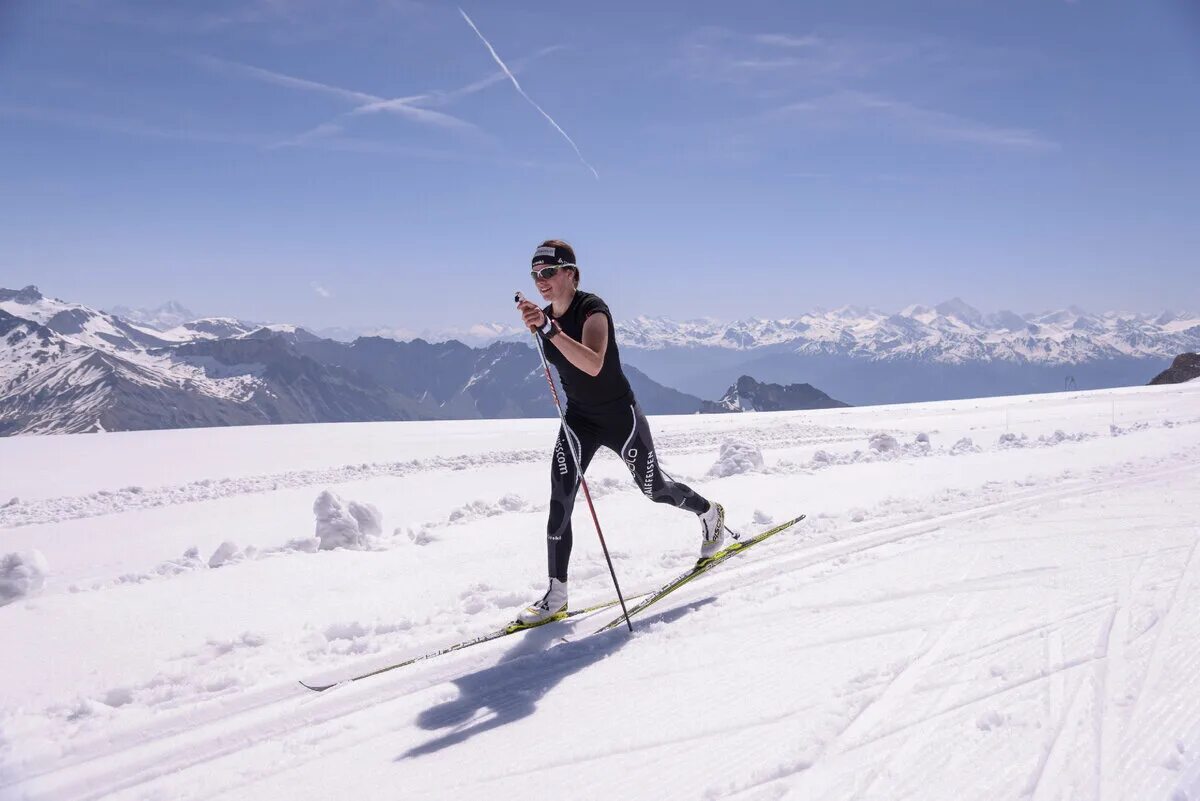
951, 350
65, 367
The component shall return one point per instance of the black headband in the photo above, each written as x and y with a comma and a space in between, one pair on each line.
550, 255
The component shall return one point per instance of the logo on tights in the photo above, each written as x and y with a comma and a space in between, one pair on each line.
648, 481
561, 458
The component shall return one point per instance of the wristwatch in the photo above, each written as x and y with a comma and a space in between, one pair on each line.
550, 329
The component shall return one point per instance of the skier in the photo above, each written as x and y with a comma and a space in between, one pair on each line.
580, 340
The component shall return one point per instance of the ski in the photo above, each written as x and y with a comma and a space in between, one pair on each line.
512, 628
701, 567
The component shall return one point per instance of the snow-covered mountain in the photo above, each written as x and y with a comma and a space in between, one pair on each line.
163, 318
84, 325
952, 332
67, 368
748, 395
950, 350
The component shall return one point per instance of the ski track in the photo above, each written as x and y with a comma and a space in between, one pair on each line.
272, 712
1099, 703
107, 502
1108, 657
133, 498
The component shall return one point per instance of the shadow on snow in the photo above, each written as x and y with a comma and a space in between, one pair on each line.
512, 688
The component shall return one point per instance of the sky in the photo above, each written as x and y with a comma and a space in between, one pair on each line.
368, 163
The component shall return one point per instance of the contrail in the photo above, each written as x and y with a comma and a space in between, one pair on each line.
513, 78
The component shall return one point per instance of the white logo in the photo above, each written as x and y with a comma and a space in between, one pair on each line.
547, 251
648, 481
561, 459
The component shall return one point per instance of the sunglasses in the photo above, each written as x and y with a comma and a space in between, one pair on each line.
546, 273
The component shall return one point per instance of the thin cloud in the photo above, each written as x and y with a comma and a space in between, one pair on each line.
279, 79
404, 105
320, 290
844, 108
103, 122
494, 78
365, 103
783, 40
517, 85
405, 108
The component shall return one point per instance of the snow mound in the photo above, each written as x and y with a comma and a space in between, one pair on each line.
1011, 440
965, 445
1059, 436
478, 509
420, 535
22, 575
226, 552
736, 457
345, 524
882, 443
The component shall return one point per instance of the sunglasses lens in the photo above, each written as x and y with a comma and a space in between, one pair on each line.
544, 273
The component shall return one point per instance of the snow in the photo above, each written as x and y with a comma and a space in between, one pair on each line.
736, 457
345, 524
21, 575
990, 599
952, 333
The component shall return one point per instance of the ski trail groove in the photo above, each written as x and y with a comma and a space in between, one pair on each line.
193, 744
1112, 672
1183, 589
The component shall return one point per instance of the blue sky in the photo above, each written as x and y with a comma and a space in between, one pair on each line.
366, 162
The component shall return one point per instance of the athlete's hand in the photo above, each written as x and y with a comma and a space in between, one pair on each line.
531, 315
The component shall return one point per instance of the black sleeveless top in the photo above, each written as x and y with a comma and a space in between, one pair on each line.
590, 395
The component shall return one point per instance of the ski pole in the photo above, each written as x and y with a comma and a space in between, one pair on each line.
578, 467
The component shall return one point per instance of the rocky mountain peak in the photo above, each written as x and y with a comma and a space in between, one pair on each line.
28, 295
1185, 367
749, 395
959, 309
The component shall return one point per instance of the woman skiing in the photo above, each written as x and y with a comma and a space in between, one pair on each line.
580, 340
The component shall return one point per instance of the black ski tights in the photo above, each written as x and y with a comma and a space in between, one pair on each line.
626, 433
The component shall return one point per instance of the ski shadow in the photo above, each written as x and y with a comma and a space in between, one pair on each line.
512, 688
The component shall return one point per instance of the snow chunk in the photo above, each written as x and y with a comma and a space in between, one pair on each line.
342, 524
370, 521
989, 720
226, 552
118, 696
823, 459
965, 445
882, 443
479, 508
1011, 440
21, 575
420, 535
737, 456
303, 544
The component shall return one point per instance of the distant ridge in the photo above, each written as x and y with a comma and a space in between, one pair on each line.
67, 368
748, 395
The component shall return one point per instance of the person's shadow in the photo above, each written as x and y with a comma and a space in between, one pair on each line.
512, 688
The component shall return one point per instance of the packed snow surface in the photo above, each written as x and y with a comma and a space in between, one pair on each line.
991, 599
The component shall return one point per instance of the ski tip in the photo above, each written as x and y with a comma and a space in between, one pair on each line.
317, 688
